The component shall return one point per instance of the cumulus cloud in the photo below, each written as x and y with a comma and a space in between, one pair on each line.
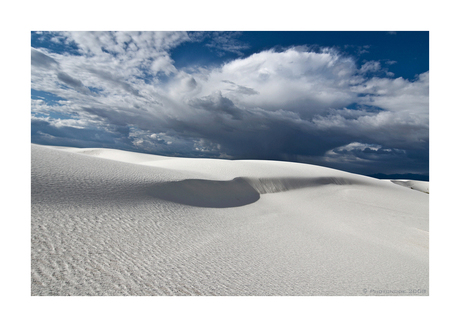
297, 104
296, 79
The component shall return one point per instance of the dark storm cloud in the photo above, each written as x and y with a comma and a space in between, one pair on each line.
216, 104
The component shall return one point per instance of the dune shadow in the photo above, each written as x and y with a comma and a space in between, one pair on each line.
207, 193
236, 192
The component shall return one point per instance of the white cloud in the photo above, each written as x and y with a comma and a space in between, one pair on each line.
163, 64
295, 79
397, 95
370, 66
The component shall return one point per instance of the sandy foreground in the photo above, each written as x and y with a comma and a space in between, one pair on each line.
111, 222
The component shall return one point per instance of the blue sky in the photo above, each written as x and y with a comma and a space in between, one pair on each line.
356, 101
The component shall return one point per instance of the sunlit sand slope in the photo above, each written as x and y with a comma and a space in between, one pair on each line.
111, 222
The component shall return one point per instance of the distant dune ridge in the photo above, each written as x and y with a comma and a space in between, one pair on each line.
415, 185
112, 222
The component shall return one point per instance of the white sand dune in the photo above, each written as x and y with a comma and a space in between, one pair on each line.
111, 222
414, 185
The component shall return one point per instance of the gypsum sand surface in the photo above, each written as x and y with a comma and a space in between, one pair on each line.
112, 222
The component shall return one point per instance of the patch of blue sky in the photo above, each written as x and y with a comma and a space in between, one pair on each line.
191, 54
367, 108
53, 42
95, 90
39, 114
49, 98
